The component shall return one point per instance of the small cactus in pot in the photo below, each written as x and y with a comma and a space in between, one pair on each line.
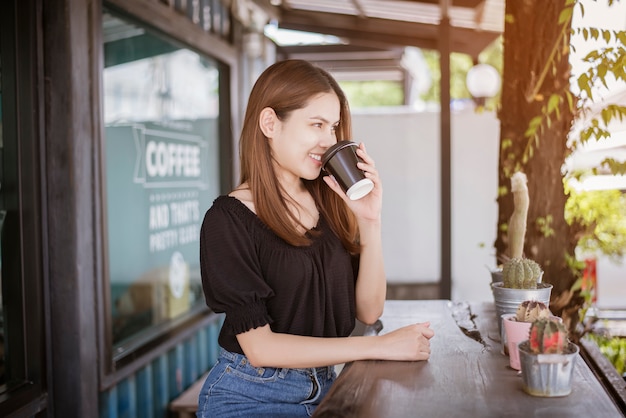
521, 277
547, 336
532, 310
516, 327
547, 359
521, 273
521, 281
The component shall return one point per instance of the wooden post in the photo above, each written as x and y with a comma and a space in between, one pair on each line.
444, 60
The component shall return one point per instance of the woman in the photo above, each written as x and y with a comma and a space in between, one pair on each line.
290, 260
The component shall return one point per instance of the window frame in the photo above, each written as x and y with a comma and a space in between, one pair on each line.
178, 29
22, 97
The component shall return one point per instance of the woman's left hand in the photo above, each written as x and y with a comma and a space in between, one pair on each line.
368, 207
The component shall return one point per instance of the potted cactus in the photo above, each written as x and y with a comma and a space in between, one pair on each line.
516, 230
516, 227
521, 277
516, 327
521, 281
547, 359
521, 273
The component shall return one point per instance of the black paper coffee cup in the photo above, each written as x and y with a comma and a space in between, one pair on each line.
340, 161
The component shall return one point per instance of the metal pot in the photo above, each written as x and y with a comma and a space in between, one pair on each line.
507, 300
496, 275
547, 375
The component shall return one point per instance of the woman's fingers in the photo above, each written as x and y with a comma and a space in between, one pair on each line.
332, 183
411, 342
367, 164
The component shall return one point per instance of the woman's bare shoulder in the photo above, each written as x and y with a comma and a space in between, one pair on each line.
244, 195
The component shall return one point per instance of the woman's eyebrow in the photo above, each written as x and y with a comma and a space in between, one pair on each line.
323, 119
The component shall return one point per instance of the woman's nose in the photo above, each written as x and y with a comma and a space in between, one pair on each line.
328, 140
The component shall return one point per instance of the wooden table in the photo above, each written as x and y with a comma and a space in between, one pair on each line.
466, 375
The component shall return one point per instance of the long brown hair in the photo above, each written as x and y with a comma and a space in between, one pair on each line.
287, 86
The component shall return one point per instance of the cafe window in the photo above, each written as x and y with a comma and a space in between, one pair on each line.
22, 375
161, 168
3, 212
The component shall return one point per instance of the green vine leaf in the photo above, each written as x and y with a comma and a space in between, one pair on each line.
601, 73
533, 126
544, 224
565, 15
585, 34
570, 100
578, 284
616, 167
584, 84
582, 9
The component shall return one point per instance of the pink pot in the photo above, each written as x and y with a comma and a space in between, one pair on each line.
516, 332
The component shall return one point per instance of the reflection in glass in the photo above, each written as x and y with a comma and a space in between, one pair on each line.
161, 135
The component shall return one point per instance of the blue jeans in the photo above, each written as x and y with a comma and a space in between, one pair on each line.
234, 388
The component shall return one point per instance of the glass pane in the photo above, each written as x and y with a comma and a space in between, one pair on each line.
162, 173
2, 244
11, 332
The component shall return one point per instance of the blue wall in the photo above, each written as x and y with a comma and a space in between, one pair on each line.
147, 393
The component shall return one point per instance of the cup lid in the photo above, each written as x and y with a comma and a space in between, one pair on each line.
336, 147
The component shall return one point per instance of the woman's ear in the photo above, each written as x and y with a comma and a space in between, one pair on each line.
268, 122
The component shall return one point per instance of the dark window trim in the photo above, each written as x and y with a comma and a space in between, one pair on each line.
23, 110
158, 347
177, 28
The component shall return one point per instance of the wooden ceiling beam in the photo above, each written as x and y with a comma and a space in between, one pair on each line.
357, 5
352, 65
470, 4
346, 57
348, 49
383, 31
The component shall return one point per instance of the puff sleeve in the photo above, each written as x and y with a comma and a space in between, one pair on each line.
232, 278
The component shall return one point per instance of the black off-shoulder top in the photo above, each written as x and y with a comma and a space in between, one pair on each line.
256, 278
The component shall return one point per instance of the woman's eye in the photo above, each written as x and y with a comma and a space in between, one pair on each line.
317, 125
